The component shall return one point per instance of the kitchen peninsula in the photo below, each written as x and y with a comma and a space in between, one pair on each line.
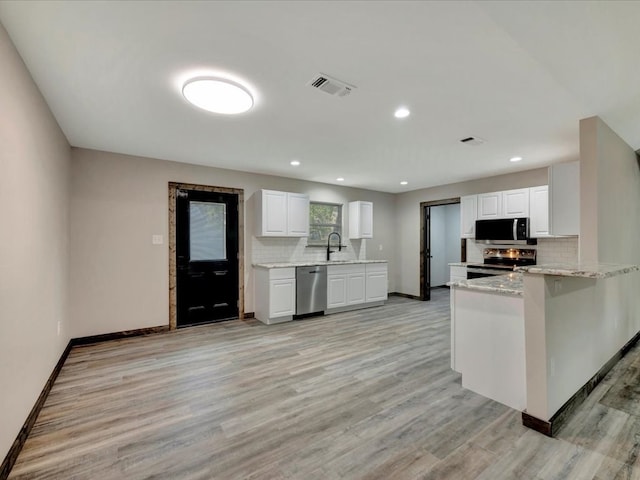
538, 340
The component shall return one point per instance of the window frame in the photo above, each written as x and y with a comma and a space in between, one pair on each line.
338, 226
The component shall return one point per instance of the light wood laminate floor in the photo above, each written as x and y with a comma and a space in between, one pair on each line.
359, 395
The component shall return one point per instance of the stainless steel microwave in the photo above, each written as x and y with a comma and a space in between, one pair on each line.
504, 231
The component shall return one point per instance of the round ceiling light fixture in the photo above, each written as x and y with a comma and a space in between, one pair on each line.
218, 95
339, 179
295, 163
402, 112
404, 182
515, 159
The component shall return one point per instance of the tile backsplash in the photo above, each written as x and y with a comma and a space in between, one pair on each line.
276, 249
550, 250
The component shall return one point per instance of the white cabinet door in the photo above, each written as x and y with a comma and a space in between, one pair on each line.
356, 288
539, 211
274, 213
360, 219
468, 216
336, 290
376, 284
489, 205
282, 297
515, 203
297, 215
564, 198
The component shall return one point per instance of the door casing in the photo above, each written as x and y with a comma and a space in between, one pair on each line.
173, 297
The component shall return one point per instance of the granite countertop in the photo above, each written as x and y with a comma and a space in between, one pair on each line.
510, 283
587, 270
312, 263
458, 264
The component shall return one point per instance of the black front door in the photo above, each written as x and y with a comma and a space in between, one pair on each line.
206, 256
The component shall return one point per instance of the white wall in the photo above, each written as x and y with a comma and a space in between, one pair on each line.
452, 234
407, 220
34, 181
119, 280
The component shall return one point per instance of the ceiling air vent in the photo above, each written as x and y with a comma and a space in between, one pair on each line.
331, 86
473, 141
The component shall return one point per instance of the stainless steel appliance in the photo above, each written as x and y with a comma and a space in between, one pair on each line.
504, 230
498, 261
311, 290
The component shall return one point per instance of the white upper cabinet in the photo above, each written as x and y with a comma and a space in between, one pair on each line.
281, 214
297, 215
489, 205
564, 198
468, 216
360, 219
515, 203
539, 211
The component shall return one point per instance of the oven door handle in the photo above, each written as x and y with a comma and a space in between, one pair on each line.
515, 229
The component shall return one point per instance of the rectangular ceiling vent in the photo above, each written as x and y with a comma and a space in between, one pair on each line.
331, 86
473, 141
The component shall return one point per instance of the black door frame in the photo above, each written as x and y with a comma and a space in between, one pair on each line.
173, 297
425, 293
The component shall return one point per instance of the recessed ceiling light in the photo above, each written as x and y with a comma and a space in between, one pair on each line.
404, 182
402, 112
515, 159
295, 163
339, 179
217, 95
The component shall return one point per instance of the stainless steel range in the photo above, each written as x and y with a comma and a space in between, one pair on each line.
498, 261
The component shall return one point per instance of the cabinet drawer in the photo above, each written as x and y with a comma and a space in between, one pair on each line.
345, 269
282, 273
376, 267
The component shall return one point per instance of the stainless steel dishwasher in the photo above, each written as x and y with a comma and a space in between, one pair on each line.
311, 290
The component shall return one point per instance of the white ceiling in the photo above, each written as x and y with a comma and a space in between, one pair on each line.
518, 74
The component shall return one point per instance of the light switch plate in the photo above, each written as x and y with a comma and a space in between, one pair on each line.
157, 239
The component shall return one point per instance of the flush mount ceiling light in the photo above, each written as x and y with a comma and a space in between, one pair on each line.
404, 182
217, 95
339, 179
295, 163
402, 112
515, 159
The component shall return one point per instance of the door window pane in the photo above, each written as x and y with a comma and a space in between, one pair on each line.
207, 236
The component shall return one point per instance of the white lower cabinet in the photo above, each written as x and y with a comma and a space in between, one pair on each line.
377, 284
345, 285
275, 294
355, 284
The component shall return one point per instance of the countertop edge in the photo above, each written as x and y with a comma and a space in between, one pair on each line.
598, 271
310, 263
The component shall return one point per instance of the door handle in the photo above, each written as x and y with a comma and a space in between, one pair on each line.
220, 273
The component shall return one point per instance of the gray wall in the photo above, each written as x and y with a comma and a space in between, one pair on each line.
610, 187
119, 280
34, 186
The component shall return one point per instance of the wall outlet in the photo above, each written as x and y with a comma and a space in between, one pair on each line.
59, 327
157, 239
557, 286
380, 247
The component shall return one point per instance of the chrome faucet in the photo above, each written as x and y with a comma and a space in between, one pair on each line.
329, 251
